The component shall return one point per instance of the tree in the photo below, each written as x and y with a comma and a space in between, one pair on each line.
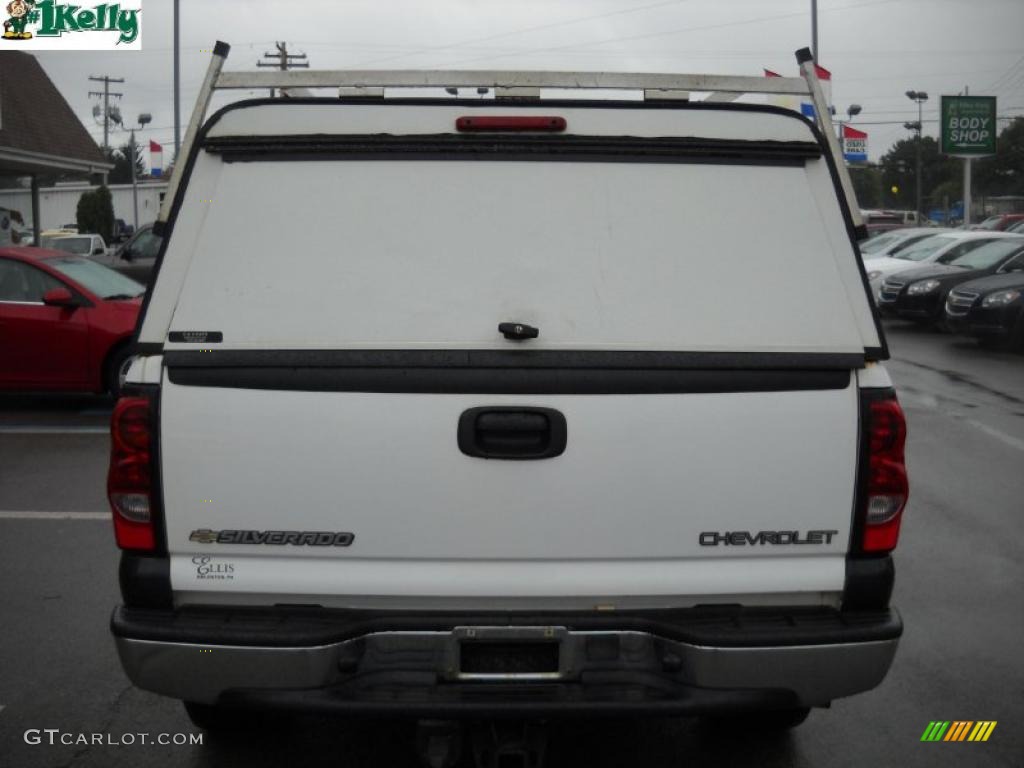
122, 171
95, 213
948, 193
867, 185
1003, 173
899, 166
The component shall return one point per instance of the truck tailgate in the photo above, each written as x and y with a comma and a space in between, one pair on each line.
620, 513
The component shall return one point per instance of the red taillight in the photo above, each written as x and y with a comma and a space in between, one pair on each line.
129, 479
547, 123
886, 488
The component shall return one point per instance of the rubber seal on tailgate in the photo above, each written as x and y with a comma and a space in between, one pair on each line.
619, 149
507, 372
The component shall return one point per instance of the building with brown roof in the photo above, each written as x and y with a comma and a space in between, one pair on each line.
39, 132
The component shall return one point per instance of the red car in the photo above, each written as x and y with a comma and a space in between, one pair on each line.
66, 322
1000, 222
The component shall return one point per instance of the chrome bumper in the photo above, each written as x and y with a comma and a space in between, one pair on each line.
382, 668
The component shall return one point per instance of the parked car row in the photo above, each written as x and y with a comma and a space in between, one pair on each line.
943, 248
68, 310
80, 245
961, 281
66, 322
136, 257
1001, 222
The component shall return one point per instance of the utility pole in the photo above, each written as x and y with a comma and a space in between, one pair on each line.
177, 83
106, 102
283, 60
135, 183
967, 181
920, 97
814, 30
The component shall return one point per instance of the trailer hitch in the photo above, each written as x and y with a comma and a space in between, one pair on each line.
494, 744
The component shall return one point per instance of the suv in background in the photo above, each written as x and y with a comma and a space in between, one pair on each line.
122, 231
881, 221
137, 257
78, 244
909, 218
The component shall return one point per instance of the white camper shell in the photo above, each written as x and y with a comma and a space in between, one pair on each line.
544, 376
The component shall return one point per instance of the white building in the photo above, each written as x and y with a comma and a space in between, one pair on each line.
57, 205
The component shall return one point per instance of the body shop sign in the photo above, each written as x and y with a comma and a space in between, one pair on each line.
968, 125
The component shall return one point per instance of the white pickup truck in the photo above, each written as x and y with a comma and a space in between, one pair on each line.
526, 421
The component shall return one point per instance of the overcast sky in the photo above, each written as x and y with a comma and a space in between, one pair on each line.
876, 49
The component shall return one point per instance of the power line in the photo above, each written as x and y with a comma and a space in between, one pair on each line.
926, 120
621, 39
1007, 75
538, 28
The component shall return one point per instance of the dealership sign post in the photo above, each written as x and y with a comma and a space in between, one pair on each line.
968, 130
855, 145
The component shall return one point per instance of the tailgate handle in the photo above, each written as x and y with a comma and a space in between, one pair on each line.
518, 331
510, 432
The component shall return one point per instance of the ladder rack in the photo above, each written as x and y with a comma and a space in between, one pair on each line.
372, 82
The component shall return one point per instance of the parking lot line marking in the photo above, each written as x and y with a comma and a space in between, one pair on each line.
31, 515
1011, 441
56, 429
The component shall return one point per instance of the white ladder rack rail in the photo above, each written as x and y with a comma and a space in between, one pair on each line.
372, 82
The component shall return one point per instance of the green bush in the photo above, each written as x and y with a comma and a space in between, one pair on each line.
95, 213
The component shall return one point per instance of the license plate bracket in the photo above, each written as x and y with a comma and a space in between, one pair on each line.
509, 653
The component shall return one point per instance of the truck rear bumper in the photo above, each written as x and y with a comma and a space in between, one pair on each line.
481, 666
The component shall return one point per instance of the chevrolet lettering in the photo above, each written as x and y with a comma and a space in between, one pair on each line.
740, 538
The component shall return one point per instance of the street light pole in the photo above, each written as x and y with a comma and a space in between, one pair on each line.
135, 186
920, 97
144, 118
853, 109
